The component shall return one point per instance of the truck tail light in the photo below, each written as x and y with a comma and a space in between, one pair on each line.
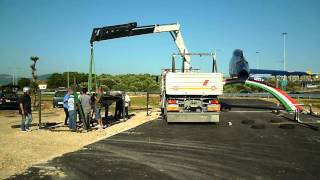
214, 101
173, 108
172, 101
213, 106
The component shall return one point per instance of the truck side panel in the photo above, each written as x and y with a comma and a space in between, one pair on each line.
194, 83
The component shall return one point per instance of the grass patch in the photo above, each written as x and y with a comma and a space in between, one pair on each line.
138, 102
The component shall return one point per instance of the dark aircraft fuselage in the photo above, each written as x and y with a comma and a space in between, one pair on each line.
238, 67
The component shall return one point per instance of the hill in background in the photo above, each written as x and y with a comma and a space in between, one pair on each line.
7, 78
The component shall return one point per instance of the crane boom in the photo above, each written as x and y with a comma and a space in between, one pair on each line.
131, 29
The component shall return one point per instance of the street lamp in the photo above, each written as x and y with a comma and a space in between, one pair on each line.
284, 50
257, 52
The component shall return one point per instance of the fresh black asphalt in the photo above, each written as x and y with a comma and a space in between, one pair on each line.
228, 150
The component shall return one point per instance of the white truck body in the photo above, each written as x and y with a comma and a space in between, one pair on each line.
191, 96
194, 83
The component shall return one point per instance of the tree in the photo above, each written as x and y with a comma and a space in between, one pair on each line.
34, 85
56, 80
24, 82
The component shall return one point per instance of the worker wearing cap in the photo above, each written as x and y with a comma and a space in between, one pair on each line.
25, 110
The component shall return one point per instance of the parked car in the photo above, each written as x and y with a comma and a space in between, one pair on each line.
9, 100
57, 100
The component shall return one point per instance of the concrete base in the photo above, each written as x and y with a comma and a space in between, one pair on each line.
193, 117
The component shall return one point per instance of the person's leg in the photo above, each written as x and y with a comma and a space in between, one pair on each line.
106, 114
91, 118
121, 115
88, 120
106, 108
97, 116
23, 120
75, 122
67, 116
116, 113
71, 119
85, 120
127, 112
79, 120
28, 121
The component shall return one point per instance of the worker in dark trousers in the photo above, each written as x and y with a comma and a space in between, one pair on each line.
119, 109
85, 100
65, 106
25, 110
92, 102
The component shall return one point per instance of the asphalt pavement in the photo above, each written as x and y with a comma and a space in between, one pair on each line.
232, 149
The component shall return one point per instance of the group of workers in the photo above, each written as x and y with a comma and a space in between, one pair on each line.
90, 106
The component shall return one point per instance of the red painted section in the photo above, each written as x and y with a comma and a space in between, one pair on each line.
290, 99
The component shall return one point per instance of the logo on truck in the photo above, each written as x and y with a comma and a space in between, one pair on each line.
205, 82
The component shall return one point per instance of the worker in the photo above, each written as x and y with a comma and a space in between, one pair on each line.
126, 105
92, 103
86, 106
119, 109
72, 113
25, 110
97, 107
65, 107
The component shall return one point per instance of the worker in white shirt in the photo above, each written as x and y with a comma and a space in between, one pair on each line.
126, 105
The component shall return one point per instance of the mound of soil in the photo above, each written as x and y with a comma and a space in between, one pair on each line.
275, 120
249, 122
258, 126
287, 126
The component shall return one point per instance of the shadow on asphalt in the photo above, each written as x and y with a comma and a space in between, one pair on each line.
157, 150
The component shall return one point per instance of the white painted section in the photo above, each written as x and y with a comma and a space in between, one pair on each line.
194, 83
166, 28
175, 29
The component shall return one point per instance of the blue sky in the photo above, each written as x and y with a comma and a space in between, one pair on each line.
59, 32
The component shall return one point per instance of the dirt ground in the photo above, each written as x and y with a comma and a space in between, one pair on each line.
20, 150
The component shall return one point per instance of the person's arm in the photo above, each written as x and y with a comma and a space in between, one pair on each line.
65, 99
21, 105
22, 109
129, 101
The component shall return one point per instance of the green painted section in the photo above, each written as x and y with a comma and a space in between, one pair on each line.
274, 93
90, 70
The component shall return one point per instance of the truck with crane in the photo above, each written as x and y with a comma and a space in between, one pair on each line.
186, 95
190, 95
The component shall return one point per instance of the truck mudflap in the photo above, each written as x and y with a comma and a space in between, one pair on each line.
193, 117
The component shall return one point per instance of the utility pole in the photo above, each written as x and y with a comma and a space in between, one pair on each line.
257, 52
90, 69
68, 79
13, 81
284, 50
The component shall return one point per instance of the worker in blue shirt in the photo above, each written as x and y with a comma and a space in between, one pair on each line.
65, 106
